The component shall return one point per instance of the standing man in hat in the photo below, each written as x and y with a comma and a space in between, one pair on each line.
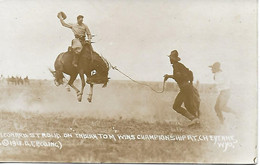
223, 86
80, 31
188, 94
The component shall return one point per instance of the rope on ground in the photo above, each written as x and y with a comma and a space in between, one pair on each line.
140, 83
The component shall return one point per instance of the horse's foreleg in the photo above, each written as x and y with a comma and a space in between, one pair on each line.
72, 79
75, 88
90, 93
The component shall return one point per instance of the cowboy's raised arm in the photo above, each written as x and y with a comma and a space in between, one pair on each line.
64, 24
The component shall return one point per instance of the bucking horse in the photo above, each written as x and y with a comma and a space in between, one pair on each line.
91, 64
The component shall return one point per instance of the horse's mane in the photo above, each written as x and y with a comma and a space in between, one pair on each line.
89, 53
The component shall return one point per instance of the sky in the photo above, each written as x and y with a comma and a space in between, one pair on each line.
136, 36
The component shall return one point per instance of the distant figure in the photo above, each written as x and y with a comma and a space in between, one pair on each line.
80, 30
26, 81
11, 80
16, 80
2, 79
20, 81
188, 94
197, 83
222, 84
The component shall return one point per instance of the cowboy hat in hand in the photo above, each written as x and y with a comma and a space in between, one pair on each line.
61, 15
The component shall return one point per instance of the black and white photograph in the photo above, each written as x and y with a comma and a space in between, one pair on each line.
129, 81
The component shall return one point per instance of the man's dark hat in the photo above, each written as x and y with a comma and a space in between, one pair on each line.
62, 14
80, 16
174, 55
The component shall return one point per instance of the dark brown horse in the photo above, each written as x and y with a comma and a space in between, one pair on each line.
91, 64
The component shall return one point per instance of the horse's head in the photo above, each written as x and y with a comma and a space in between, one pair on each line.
58, 77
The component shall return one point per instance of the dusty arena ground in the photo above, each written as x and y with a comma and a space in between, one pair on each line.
112, 128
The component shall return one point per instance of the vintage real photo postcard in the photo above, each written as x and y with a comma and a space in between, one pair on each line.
118, 81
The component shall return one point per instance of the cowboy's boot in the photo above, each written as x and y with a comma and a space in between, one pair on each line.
75, 60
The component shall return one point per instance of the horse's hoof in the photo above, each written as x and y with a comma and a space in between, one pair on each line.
79, 99
89, 100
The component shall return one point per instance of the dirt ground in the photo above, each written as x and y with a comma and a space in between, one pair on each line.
122, 108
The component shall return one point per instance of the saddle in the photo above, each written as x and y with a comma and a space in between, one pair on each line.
94, 56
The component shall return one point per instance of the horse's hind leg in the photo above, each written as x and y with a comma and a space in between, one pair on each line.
88, 74
82, 86
90, 93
